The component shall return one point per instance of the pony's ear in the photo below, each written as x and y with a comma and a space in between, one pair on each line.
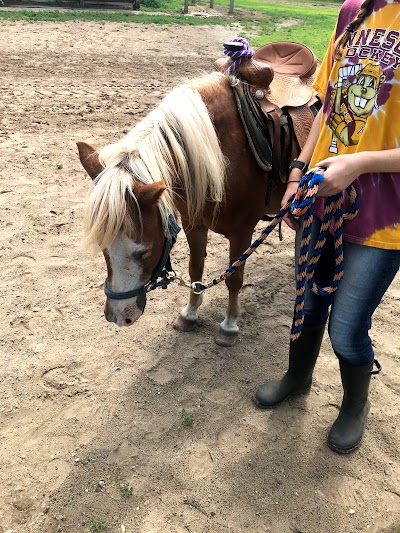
149, 194
89, 159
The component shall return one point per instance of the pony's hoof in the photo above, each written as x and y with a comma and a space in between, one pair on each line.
183, 324
226, 338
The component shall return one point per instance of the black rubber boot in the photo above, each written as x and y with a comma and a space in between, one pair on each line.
348, 429
303, 355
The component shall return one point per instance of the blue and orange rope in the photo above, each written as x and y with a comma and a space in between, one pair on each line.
302, 204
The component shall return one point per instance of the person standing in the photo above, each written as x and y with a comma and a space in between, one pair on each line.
355, 139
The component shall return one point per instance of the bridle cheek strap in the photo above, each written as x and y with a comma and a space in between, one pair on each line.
161, 276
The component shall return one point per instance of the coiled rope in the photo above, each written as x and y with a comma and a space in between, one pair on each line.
302, 204
237, 53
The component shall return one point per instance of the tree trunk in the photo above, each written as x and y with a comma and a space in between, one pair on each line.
186, 6
136, 5
231, 3
211, 4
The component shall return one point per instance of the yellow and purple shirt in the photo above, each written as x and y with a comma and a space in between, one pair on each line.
361, 112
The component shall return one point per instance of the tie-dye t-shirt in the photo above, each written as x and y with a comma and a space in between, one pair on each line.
361, 112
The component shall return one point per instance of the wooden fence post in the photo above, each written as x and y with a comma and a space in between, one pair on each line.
211, 4
231, 6
186, 6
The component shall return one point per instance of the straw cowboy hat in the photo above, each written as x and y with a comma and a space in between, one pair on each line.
294, 66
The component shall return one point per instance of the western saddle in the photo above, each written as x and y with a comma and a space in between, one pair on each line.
275, 100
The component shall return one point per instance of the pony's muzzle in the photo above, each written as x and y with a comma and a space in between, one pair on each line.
125, 315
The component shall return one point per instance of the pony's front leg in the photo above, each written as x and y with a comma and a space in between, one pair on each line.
229, 329
197, 240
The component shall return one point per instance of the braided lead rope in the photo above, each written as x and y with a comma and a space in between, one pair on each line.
238, 56
333, 209
301, 203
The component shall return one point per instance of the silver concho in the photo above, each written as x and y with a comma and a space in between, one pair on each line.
259, 94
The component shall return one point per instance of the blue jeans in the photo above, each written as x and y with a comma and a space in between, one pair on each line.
368, 272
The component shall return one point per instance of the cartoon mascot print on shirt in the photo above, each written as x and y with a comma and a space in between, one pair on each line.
354, 98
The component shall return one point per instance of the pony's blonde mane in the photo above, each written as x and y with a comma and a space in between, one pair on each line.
176, 143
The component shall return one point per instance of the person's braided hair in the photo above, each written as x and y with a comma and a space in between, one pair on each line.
341, 41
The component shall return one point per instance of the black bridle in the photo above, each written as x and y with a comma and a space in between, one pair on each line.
162, 275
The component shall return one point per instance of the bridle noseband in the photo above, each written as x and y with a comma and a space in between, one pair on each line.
162, 275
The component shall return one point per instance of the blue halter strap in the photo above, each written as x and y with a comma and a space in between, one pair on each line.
161, 274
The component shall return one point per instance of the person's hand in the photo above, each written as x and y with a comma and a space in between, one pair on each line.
290, 220
340, 172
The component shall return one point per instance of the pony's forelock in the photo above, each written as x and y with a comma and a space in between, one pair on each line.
106, 206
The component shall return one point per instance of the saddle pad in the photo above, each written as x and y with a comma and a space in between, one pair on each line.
256, 131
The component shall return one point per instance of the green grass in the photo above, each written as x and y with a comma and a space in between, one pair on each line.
104, 16
260, 21
97, 525
313, 25
187, 418
126, 491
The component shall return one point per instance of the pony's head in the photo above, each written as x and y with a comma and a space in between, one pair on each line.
171, 158
124, 219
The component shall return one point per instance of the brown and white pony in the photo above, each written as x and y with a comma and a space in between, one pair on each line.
189, 156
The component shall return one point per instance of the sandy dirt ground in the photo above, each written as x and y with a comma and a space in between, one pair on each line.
92, 436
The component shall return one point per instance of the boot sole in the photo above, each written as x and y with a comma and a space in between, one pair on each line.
344, 451
271, 405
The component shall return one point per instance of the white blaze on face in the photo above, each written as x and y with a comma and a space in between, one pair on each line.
125, 260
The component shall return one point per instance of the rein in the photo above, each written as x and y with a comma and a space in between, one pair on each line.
299, 204
161, 276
